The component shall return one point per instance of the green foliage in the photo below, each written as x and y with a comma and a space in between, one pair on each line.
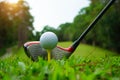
19, 67
64, 32
48, 28
77, 67
107, 30
2, 51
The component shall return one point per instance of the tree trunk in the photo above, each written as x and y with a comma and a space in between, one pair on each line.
22, 34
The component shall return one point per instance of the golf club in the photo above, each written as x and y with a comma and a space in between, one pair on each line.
34, 50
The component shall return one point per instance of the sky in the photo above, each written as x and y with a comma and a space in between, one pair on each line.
54, 12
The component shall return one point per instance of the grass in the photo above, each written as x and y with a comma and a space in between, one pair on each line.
86, 63
88, 51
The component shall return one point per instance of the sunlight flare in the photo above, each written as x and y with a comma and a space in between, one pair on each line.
12, 1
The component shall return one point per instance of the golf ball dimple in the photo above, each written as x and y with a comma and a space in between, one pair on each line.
48, 40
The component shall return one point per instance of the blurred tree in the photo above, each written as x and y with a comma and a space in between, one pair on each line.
64, 33
15, 23
25, 25
106, 31
37, 35
48, 28
108, 28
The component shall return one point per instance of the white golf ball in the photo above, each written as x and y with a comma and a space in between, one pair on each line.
48, 40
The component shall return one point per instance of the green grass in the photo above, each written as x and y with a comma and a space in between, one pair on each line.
86, 63
88, 51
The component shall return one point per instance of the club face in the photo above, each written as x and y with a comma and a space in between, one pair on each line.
59, 53
34, 51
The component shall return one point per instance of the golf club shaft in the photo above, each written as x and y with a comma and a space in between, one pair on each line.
76, 43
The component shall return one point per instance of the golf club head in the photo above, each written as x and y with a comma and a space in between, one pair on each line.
34, 50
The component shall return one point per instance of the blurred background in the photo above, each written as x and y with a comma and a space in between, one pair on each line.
16, 26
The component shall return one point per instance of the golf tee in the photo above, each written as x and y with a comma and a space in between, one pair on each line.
49, 55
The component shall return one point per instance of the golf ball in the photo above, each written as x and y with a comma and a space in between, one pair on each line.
48, 40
